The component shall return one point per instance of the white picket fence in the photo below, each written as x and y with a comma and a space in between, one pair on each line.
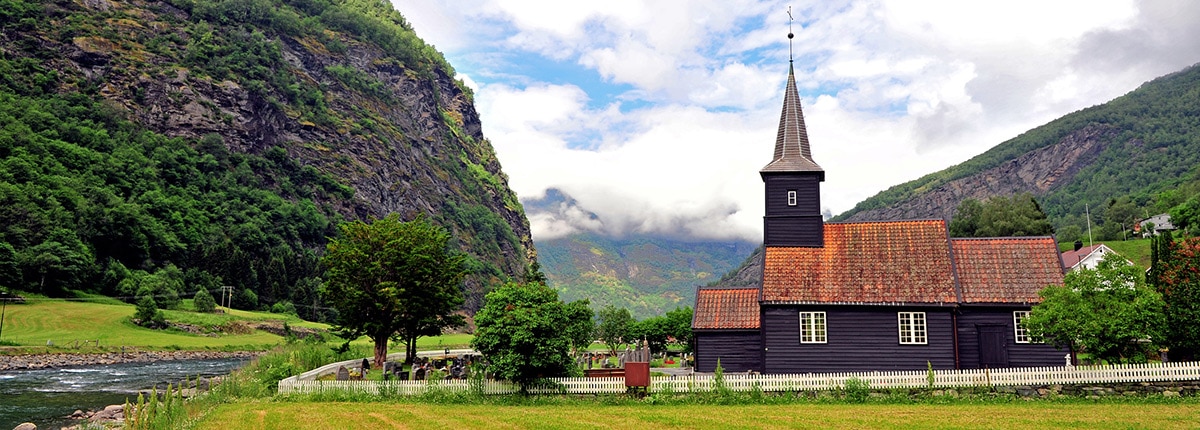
1182, 371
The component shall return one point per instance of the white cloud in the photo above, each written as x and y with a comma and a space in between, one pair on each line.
892, 90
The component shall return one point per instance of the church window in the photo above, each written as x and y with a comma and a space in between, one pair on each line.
812, 327
912, 328
791, 198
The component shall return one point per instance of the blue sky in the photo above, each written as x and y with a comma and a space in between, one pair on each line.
655, 116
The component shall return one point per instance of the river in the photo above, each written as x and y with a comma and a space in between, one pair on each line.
47, 396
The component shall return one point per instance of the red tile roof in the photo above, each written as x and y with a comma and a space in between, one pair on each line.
1006, 270
872, 262
1071, 258
726, 309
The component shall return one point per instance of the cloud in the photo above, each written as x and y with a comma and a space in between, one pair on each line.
655, 116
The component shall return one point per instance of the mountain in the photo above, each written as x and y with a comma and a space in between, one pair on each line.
1136, 145
647, 274
1127, 150
219, 142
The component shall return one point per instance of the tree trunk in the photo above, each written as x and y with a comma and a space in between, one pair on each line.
410, 349
380, 350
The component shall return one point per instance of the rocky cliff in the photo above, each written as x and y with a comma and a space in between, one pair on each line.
341, 88
1037, 172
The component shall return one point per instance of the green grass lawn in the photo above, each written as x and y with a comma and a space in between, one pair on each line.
1016, 415
31, 325
35, 323
1135, 250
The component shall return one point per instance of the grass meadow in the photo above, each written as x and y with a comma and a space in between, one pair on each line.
581, 415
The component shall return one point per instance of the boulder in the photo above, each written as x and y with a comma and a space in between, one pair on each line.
25, 426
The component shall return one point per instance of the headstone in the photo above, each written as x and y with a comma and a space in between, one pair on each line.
343, 374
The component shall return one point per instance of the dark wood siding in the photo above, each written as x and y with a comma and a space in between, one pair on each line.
799, 225
739, 351
1019, 354
860, 338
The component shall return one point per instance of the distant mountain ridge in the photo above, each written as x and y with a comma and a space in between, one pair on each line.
1139, 143
647, 274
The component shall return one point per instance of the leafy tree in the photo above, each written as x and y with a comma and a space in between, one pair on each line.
966, 218
521, 333
1017, 215
1070, 233
680, 326
1186, 215
654, 331
1175, 273
614, 326
582, 329
203, 301
147, 313
1105, 311
10, 270
393, 278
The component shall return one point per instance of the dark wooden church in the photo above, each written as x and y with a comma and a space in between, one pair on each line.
893, 295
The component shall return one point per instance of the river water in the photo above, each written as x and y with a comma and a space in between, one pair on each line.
47, 396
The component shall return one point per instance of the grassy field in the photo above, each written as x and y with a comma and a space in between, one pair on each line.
29, 326
1016, 415
1135, 250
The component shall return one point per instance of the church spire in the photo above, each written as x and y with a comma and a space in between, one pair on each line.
791, 141
792, 153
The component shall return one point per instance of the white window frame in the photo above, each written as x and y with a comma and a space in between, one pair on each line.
913, 328
1020, 334
819, 332
791, 197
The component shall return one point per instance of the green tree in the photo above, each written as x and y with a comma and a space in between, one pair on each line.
147, 313
1017, 215
966, 218
613, 327
203, 301
680, 326
653, 331
1105, 311
521, 333
582, 329
10, 270
393, 279
1175, 273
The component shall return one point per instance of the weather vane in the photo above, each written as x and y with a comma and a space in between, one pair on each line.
790, 35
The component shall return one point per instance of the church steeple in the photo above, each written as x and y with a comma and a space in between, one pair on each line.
792, 180
792, 153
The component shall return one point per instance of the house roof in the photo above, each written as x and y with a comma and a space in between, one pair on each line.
1072, 258
871, 262
1006, 270
792, 153
734, 308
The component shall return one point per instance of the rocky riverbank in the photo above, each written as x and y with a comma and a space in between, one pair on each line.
44, 361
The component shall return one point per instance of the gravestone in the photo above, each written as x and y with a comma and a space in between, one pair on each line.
343, 374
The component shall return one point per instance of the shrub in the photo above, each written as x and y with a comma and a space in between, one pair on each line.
857, 390
203, 301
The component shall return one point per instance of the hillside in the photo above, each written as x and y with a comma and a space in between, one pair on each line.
223, 140
1136, 145
647, 275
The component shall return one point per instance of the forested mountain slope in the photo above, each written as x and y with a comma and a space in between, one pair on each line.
1138, 144
183, 144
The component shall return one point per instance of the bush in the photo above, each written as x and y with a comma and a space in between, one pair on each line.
147, 314
857, 390
203, 301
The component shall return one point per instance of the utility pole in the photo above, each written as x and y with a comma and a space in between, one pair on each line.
226, 295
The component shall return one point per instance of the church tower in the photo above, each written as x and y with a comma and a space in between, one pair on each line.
792, 181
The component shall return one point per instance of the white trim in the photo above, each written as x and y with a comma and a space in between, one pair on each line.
820, 327
917, 328
1019, 331
791, 198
